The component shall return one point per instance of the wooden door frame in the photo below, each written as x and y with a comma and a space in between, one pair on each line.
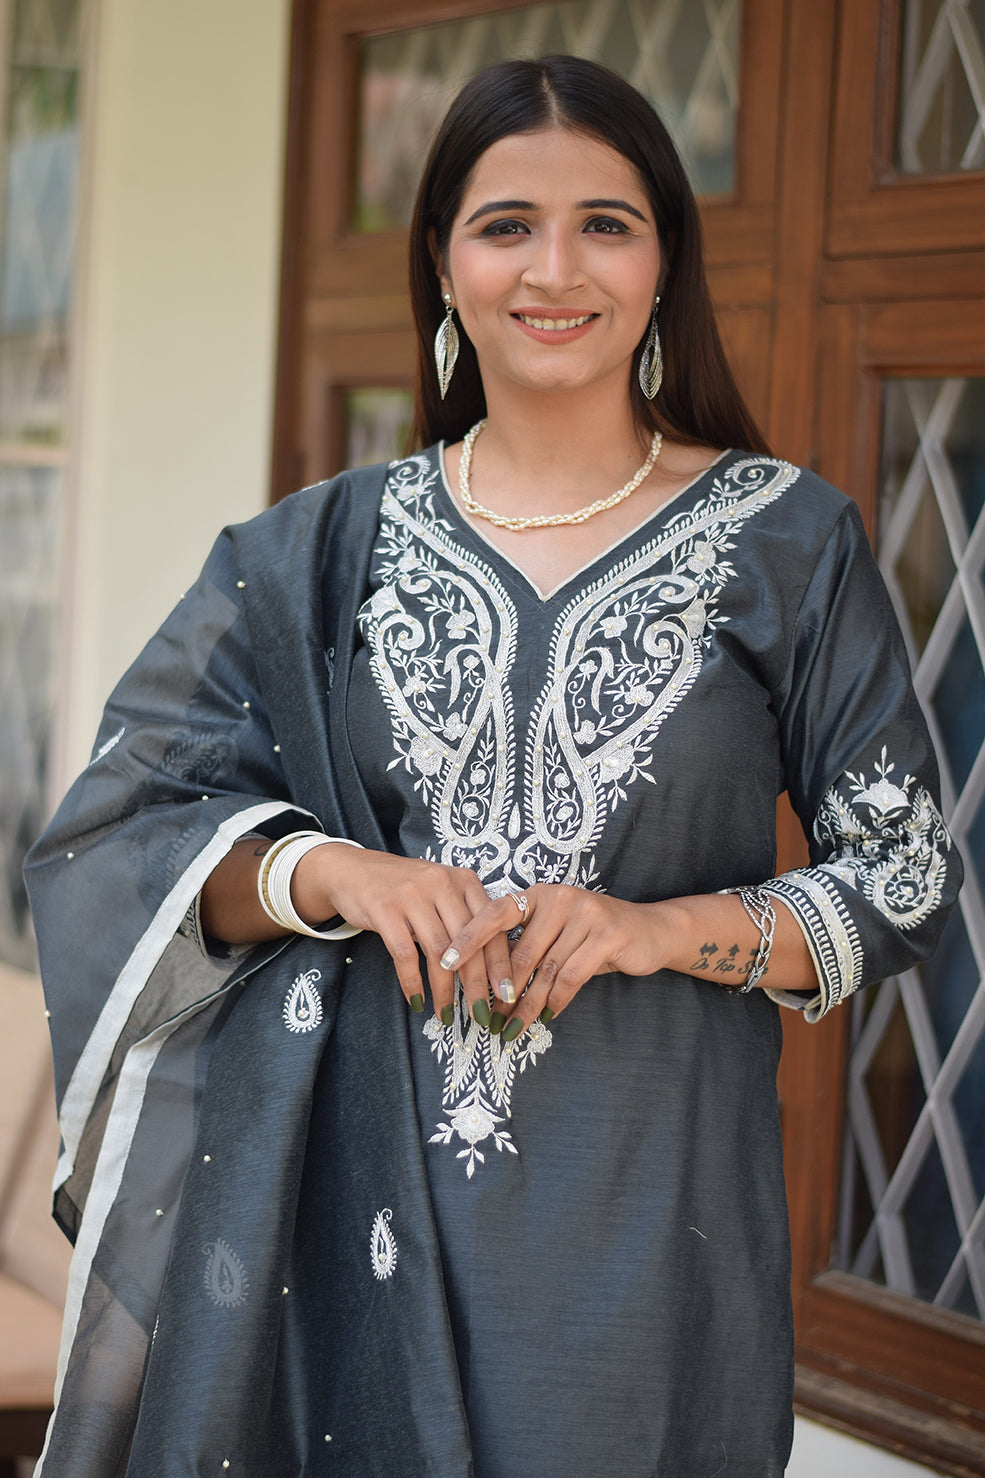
874, 208
890, 1368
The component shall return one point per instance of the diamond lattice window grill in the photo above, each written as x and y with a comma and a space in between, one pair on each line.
683, 56
942, 86
913, 1188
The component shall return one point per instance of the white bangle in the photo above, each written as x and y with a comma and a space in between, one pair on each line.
274, 883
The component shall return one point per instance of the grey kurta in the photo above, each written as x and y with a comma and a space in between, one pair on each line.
608, 1191
266, 1167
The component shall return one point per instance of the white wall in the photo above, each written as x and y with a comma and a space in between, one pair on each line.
178, 294
818, 1452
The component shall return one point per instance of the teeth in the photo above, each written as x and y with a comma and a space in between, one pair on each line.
555, 324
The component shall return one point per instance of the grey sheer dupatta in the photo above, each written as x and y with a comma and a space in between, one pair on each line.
224, 1306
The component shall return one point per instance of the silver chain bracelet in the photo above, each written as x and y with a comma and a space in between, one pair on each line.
759, 906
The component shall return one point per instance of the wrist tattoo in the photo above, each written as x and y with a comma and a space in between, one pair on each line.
715, 960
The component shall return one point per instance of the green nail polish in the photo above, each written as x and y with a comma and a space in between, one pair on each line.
547, 1015
481, 1013
496, 1022
513, 1030
417, 1004
448, 1015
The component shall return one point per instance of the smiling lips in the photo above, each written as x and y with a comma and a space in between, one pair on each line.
554, 325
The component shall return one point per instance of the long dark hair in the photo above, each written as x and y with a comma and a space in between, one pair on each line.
699, 401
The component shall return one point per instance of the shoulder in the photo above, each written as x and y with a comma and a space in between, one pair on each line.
302, 528
347, 502
801, 504
352, 489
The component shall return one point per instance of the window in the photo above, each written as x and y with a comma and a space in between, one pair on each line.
40, 67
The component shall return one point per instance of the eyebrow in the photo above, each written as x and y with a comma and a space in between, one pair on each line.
494, 207
612, 205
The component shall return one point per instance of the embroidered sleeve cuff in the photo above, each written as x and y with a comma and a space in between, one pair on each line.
831, 937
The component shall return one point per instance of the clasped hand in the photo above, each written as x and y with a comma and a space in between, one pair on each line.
570, 934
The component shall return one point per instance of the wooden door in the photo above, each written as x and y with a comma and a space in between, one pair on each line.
346, 322
888, 1212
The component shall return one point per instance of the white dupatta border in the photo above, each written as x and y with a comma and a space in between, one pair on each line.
128, 1100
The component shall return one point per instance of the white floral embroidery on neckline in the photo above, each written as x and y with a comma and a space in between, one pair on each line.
441, 632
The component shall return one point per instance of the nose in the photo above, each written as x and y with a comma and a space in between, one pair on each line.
554, 267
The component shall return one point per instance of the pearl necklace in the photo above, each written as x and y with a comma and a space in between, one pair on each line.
544, 520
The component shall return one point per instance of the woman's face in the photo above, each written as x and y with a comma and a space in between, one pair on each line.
553, 262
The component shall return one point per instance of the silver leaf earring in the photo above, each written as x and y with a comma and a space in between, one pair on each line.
651, 371
446, 347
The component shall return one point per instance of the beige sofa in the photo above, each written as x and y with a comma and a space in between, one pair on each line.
33, 1253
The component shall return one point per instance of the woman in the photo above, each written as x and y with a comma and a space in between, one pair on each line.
506, 721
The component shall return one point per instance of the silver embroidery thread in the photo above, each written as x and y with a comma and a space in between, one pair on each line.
226, 1282
104, 749
441, 633
831, 933
891, 845
302, 1006
884, 840
383, 1246
480, 1071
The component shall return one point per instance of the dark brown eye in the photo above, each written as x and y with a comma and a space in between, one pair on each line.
606, 226
505, 228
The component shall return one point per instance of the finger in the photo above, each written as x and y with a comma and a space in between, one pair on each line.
456, 905
571, 961
413, 925
507, 988
540, 937
402, 948
485, 940
499, 969
498, 916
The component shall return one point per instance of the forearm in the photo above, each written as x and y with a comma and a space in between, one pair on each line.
413, 905
711, 937
230, 904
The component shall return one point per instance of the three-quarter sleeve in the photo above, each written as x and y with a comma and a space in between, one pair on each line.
862, 776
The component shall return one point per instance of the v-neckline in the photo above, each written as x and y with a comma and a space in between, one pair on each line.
545, 596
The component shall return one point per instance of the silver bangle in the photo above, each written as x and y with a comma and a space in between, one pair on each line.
759, 906
274, 883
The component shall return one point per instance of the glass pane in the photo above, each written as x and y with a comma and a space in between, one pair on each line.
377, 425
969, 1101
39, 150
914, 1173
30, 505
39, 215
959, 704
950, 980
931, 1233
684, 58
942, 87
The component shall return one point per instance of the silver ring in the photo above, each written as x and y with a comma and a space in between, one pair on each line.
520, 899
